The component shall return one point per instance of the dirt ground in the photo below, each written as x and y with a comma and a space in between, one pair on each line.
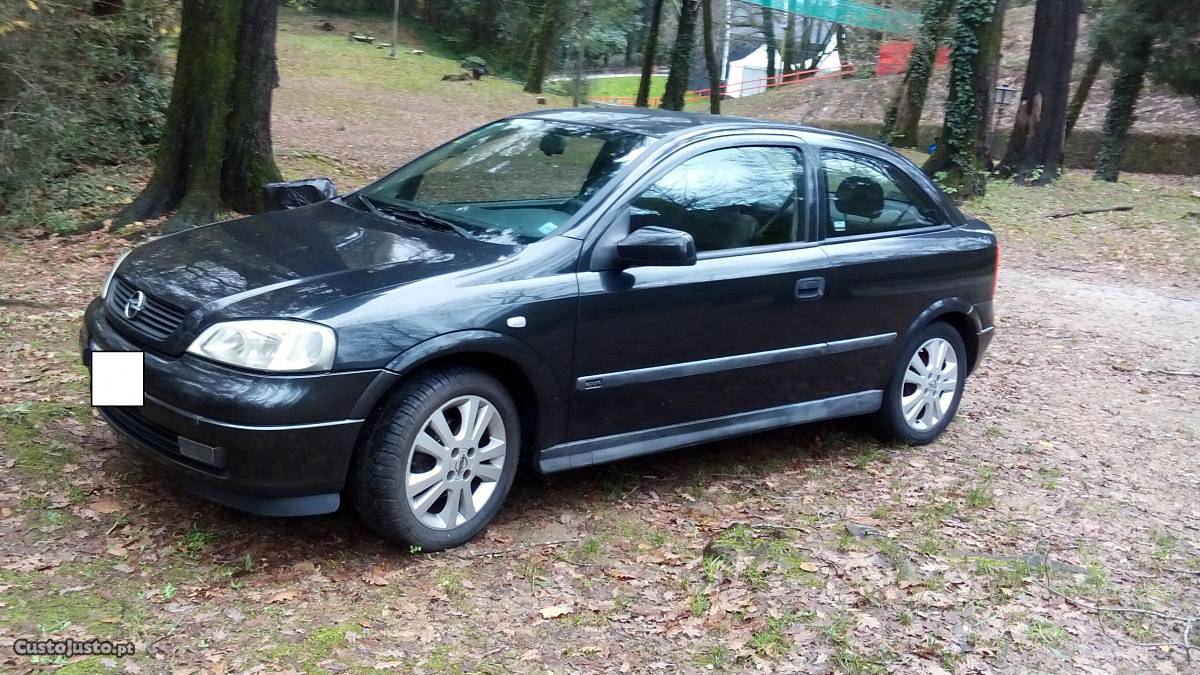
1053, 528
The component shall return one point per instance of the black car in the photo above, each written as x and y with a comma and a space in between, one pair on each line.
552, 290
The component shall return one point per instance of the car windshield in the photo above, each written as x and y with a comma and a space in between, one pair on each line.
512, 182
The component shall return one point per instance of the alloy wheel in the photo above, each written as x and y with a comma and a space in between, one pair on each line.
455, 462
930, 384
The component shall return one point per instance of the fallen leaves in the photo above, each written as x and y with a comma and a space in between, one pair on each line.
286, 595
555, 611
106, 506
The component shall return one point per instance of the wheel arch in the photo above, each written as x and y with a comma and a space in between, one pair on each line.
961, 316
528, 378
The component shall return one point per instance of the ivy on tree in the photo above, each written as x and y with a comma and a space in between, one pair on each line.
681, 56
961, 160
1140, 38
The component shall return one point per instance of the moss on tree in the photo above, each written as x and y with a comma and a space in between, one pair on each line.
219, 117
681, 56
542, 42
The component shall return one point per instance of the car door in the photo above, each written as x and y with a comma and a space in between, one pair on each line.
735, 332
894, 253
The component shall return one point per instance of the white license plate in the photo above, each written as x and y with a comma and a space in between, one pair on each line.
117, 378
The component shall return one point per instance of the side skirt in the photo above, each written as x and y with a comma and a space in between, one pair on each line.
576, 454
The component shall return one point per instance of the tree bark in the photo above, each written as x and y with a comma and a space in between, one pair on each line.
648, 55
681, 56
842, 51
1035, 148
249, 162
1126, 90
963, 154
542, 42
710, 61
187, 172
789, 39
902, 121
768, 26
1082, 90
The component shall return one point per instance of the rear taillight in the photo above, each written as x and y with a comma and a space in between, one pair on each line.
996, 270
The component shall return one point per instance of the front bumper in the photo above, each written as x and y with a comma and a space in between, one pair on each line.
276, 445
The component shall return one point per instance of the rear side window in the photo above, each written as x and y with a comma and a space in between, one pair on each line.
729, 198
868, 195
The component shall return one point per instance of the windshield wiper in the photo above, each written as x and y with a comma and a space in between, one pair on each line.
412, 214
428, 219
370, 205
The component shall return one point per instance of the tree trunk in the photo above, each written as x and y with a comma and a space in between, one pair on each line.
681, 56
710, 61
1090, 71
542, 42
1035, 148
768, 26
963, 153
1126, 90
902, 121
842, 51
789, 39
636, 36
249, 159
648, 55
208, 80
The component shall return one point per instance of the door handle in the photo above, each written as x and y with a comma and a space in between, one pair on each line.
811, 288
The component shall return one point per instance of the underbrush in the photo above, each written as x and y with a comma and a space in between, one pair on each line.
80, 95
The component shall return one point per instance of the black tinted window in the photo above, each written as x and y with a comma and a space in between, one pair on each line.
729, 198
867, 195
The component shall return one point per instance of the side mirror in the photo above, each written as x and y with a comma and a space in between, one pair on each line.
296, 193
655, 246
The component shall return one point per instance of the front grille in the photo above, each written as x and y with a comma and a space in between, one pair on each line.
157, 319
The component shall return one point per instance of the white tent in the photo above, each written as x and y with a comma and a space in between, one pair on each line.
747, 76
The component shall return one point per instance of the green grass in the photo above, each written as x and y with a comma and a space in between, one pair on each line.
308, 52
24, 435
314, 648
77, 595
1159, 231
770, 640
623, 86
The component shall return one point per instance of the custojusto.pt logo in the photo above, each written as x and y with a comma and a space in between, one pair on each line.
71, 647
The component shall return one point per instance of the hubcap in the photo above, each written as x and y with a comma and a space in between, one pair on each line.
930, 384
455, 462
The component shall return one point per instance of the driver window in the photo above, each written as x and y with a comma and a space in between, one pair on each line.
729, 198
869, 196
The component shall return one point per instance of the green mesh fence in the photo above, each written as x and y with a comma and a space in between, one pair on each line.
850, 13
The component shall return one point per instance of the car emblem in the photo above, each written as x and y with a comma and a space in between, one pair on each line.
134, 304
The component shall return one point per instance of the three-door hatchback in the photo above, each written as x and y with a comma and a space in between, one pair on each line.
552, 290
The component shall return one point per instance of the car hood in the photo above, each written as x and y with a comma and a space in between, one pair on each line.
286, 263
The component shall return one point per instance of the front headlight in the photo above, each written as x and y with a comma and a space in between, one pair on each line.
112, 273
278, 345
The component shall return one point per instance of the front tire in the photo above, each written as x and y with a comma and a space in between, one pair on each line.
440, 460
926, 386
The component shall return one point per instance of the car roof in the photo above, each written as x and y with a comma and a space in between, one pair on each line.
662, 123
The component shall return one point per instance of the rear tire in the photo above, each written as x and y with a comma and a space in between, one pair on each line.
918, 402
440, 459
